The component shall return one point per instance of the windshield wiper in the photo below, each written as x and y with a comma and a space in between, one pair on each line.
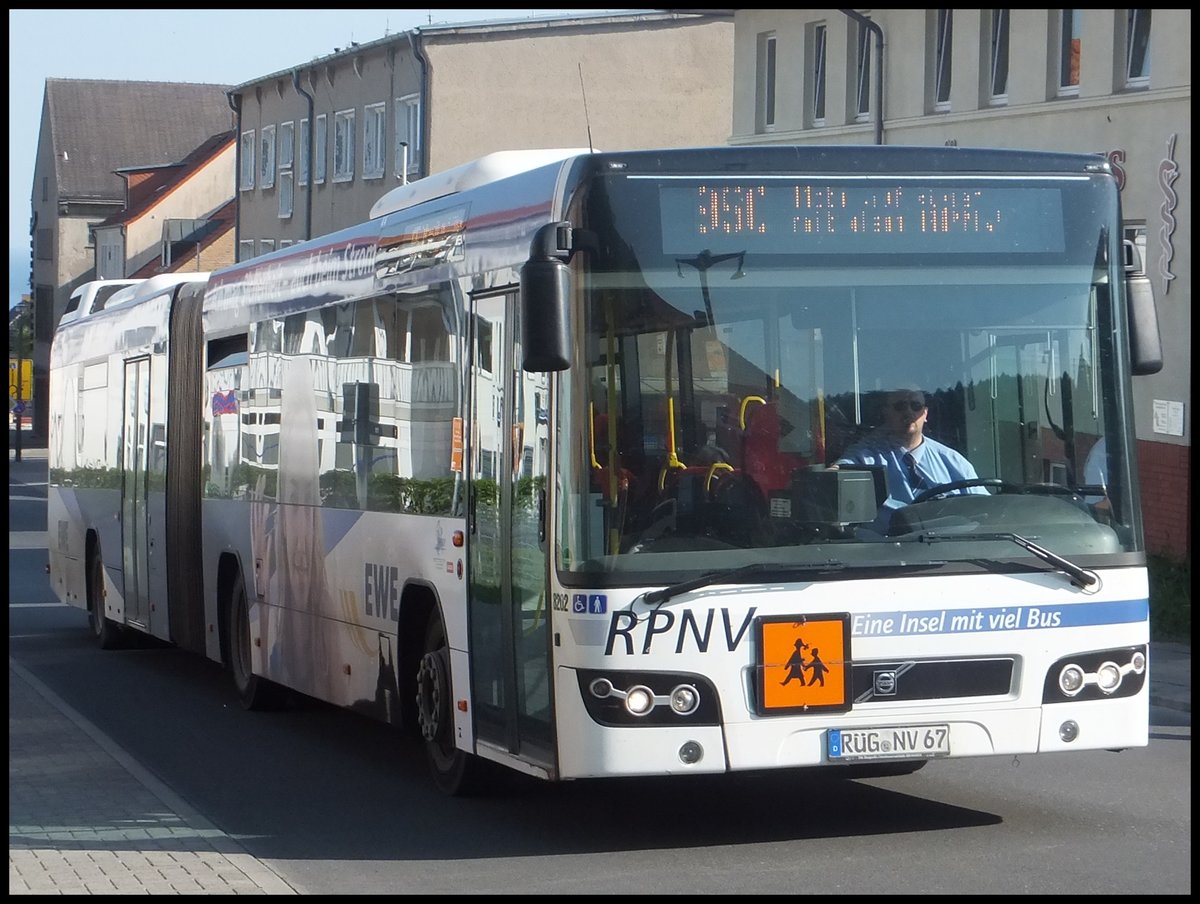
1080, 577
733, 575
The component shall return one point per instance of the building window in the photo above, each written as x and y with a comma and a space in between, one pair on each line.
999, 57
1137, 48
343, 146
374, 118
287, 193
817, 71
320, 149
287, 179
1070, 50
245, 249
943, 52
765, 83
305, 151
408, 136
862, 67
247, 176
287, 145
266, 157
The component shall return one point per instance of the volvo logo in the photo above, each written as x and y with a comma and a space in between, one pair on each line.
884, 684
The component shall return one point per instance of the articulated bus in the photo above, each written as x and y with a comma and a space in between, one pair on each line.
536, 463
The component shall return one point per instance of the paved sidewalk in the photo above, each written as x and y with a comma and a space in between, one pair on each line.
85, 818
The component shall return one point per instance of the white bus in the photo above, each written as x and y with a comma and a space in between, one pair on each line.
536, 462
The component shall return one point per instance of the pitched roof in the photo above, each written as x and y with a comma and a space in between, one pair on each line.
99, 125
162, 179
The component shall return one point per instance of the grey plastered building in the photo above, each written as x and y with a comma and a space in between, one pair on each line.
1111, 81
90, 129
321, 141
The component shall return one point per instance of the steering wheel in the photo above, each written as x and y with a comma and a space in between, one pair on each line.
943, 488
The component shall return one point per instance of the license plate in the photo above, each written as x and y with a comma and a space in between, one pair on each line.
901, 742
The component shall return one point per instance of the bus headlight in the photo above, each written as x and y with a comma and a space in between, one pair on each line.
1097, 675
685, 699
1108, 677
639, 700
618, 698
1070, 679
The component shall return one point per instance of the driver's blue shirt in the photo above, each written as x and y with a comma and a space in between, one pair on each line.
910, 473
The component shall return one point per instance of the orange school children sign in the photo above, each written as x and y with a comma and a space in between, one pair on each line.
805, 663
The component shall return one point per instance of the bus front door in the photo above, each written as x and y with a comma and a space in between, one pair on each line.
134, 527
508, 446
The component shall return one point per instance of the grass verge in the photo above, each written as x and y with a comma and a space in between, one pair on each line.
1170, 600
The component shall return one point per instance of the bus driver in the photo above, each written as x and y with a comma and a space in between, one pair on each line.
912, 461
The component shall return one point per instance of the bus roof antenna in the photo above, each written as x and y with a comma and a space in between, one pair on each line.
583, 92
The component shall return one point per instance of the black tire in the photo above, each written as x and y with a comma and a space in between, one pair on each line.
109, 635
455, 771
253, 691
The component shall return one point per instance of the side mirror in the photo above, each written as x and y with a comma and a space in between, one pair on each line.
1145, 342
545, 301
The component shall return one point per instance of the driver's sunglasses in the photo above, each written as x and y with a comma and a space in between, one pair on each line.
904, 405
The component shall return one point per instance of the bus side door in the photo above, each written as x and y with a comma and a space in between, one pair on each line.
508, 444
134, 510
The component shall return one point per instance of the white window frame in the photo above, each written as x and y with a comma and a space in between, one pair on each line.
862, 73
266, 160
943, 59
344, 126
245, 249
374, 135
287, 145
305, 157
249, 146
321, 166
1069, 24
321, 150
818, 72
287, 178
408, 131
287, 193
266, 246
765, 97
1137, 48
999, 57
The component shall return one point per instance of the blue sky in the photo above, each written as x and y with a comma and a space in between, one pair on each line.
218, 46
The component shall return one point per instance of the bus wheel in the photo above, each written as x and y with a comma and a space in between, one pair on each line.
107, 632
254, 691
455, 771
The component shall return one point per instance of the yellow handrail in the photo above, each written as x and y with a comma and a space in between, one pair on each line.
712, 472
746, 401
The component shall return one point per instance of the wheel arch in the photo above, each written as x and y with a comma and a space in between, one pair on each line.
419, 603
229, 572
91, 548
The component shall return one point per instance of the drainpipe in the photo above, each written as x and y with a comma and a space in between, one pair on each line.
235, 104
414, 41
878, 33
312, 128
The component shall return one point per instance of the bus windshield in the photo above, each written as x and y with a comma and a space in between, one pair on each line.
756, 356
